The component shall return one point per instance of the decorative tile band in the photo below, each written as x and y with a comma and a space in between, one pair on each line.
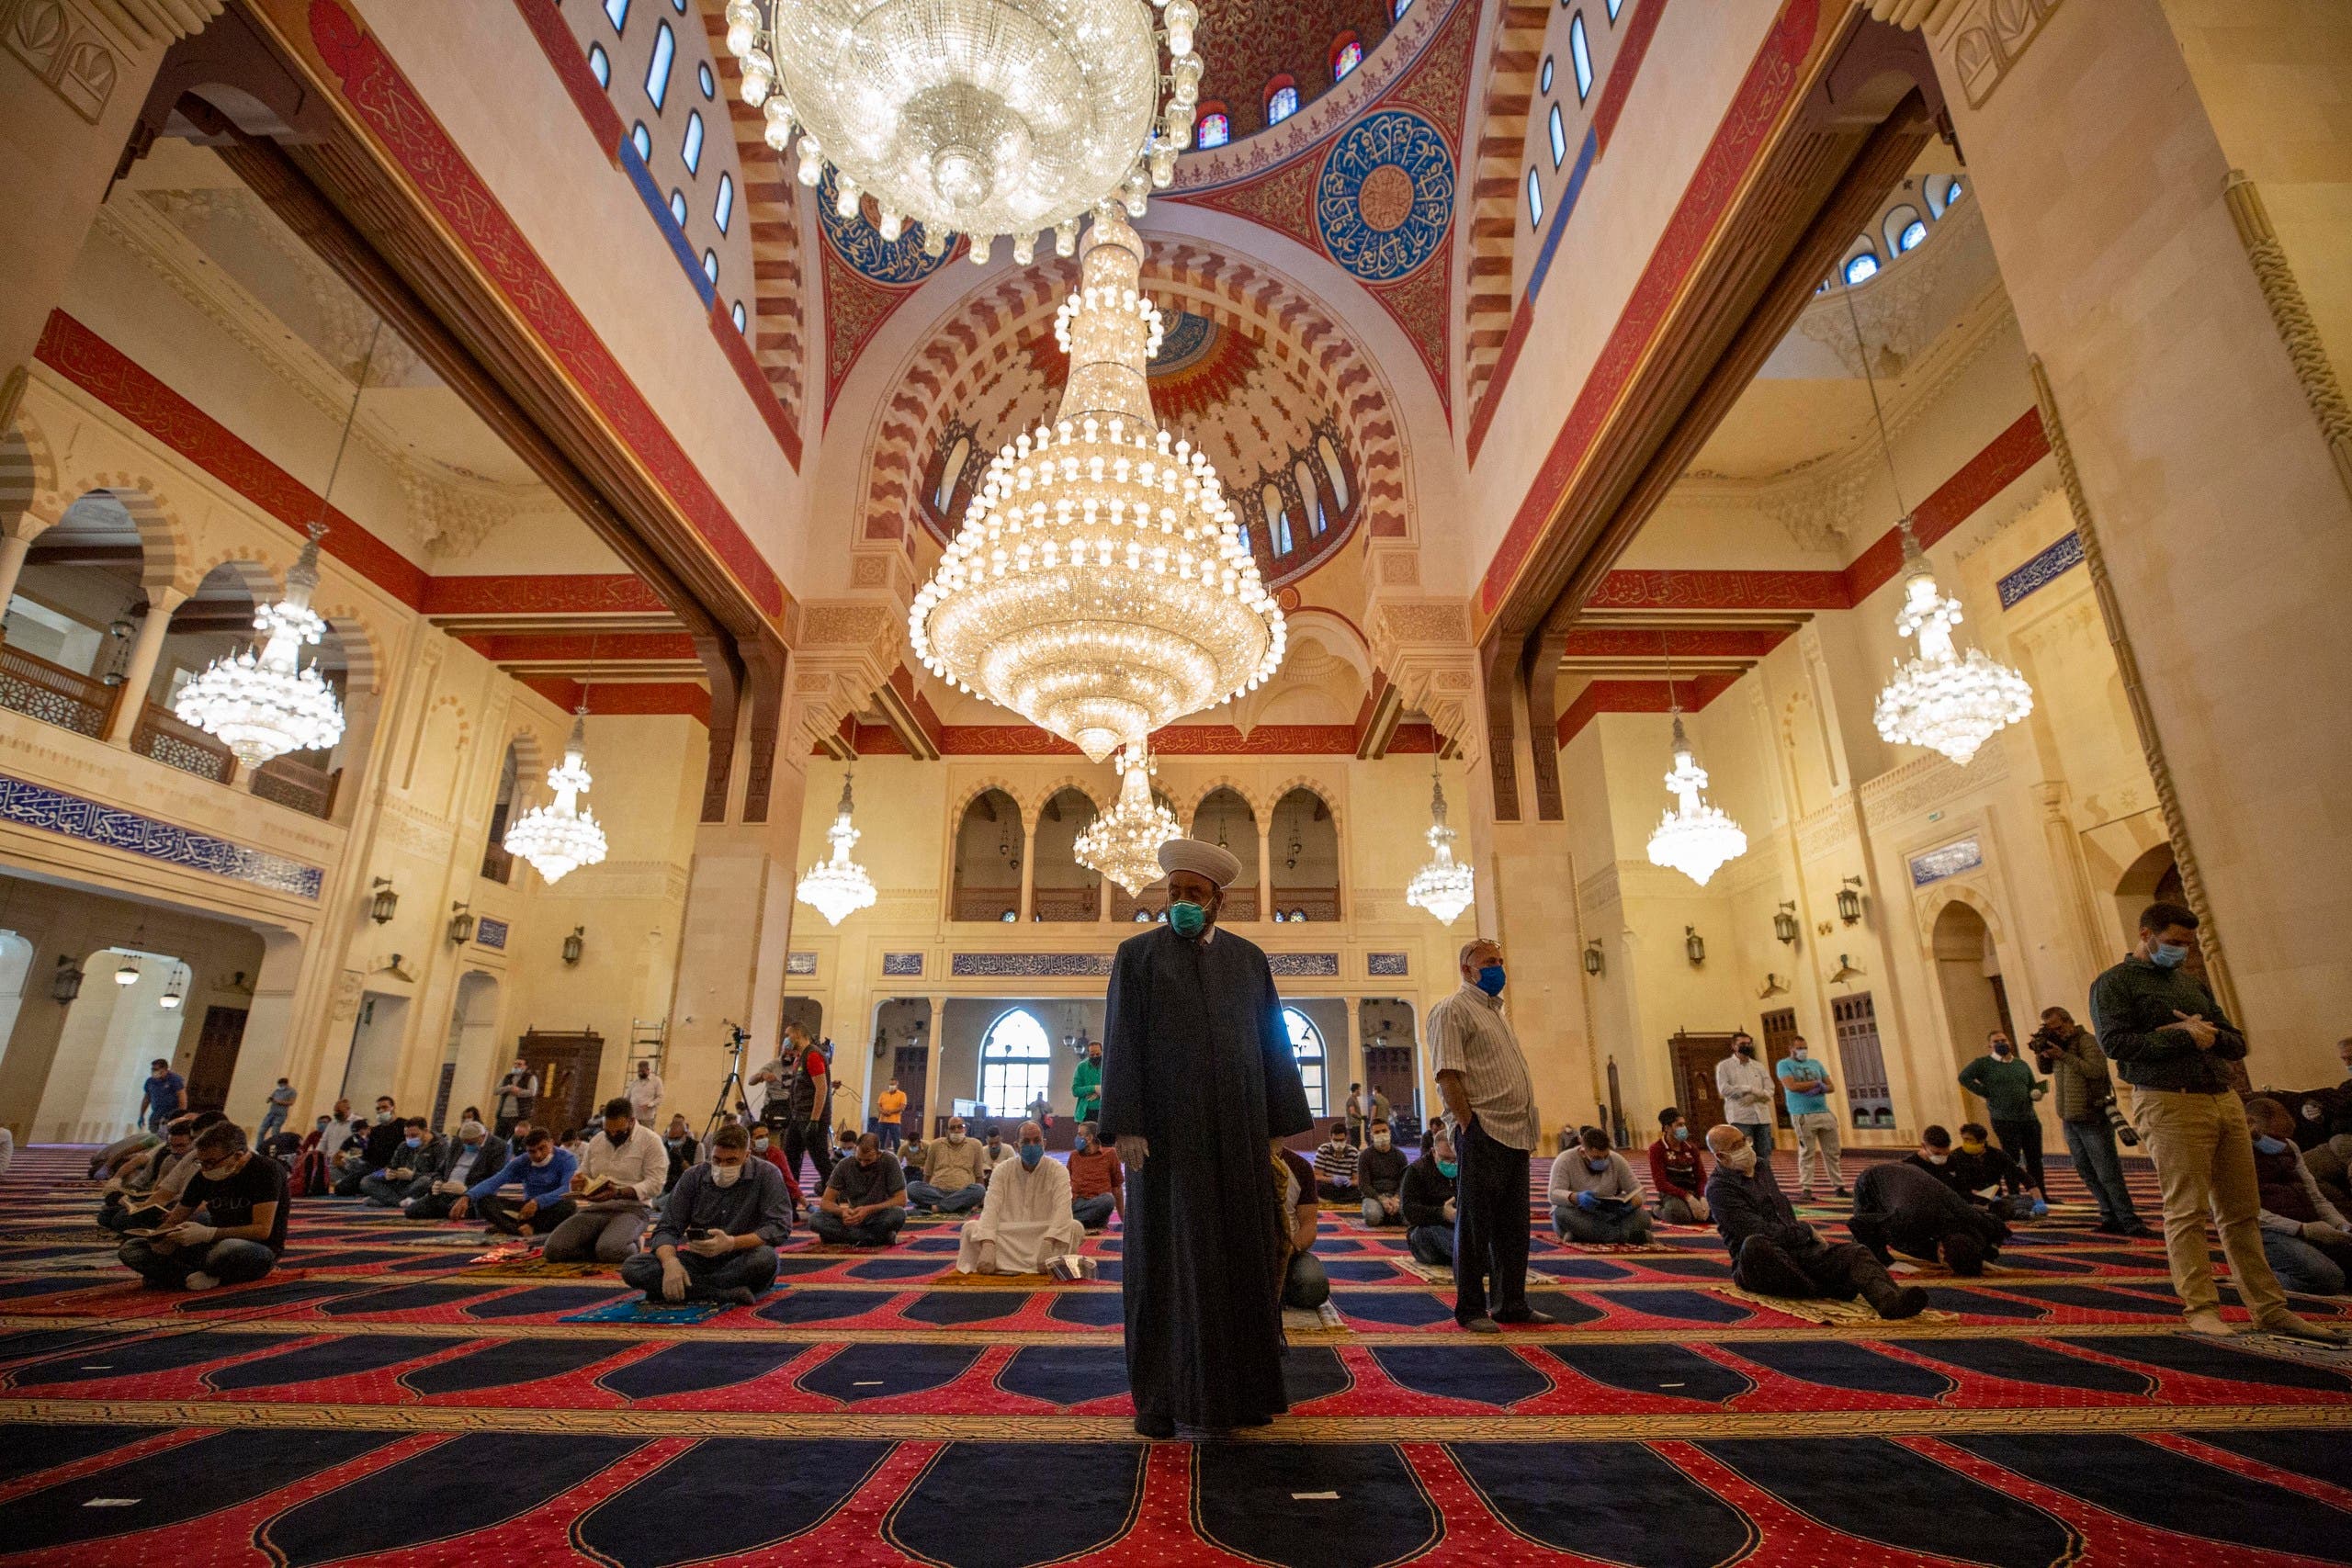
800, 964
1387, 965
1305, 965
111, 826
1029, 966
490, 933
902, 964
1949, 861
2043, 570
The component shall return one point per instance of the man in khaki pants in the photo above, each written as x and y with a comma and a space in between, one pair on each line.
2168, 1038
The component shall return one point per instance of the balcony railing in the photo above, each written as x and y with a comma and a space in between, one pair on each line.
298, 786
1306, 903
1067, 903
162, 737
985, 903
50, 693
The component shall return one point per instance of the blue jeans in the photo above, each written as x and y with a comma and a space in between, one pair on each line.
272, 1119
2092, 1144
230, 1262
708, 1278
157, 1115
1600, 1225
2304, 1268
879, 1231
385, 1193
1092, 1213
963, 1199
1431, 1244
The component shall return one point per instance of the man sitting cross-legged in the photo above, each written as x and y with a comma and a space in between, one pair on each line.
151, 1181
1380, 1178
372, 1152
1596, 1197
1097, 1183
719, 1229
1027, 1218
1898, 1207
242, 1199
1335, 1169
410, 1174
1428, 1200
865, 1201
1774, 1254
545, 1172
465, 1159
620, 1174
955, 1172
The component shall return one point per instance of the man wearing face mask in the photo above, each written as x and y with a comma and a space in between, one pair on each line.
545, 1172
1429, 1206
1596, 1198
473, 1152
2171, 1041
1096, 1182
1380, 1178
2085, 1095
1677, 1172
1086, 1084
2304, 1235
1483, 1076
954, 1173
1027, 1218
1775, 1254
410, 1174
1806, 1085
1199, 1083
1746, 1086
2008, 1089
719, 1231
620, 1174
360, 1160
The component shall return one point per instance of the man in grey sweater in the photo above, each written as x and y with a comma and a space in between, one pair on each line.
719, 1229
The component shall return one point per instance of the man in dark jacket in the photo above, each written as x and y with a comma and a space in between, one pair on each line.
384, 1139
1775, 1254
1427, 1199
465, 1159
1380, 1178
1899, 1206
2085, 1095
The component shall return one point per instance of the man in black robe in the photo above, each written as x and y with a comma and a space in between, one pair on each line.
1198, 1083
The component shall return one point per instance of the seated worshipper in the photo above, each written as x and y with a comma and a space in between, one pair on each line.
954, 1170
993, 1153
683, 1150
472, 1154
1305, 1284
1900, 1208
1596, 1197
361, 1159
719, 1230
148, 1184
545, 1172
1677, 1172
1027, 1217
242, 1199
1097, 1183
620, 1174
2330, 1161
1972, 1170
410, 1175
1428, 1200
115, 1156
2304, 1236
911, 1152
1380, 1178
865, 1201
766, 1146
1335, 1169
1774, 1254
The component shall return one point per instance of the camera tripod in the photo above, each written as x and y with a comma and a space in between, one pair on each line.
730, 1088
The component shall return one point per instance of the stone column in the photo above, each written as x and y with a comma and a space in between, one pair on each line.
266, 1051
1028, 905
932, 1107
16, 536
139, 673
1265, 870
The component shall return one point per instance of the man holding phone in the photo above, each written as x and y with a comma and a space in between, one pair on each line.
242, 1199
719, 1230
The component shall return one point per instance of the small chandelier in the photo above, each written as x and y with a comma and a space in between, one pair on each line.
1098, 586
1943, 699
176, 993
1445, 886
1124, 842
562, 835
839, 887
1693, 836
255, 700
127, 973
973, 116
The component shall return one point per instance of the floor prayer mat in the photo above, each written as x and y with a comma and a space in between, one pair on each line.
953, 1280
1815, 1310
672, 1314
1313, 1322
1435, 1273
531, 1266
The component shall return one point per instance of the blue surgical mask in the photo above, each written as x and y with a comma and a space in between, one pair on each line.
2270, 1145
1490, 979
415, 1143
1187, 919
2168, 954
1446, 1169
1031, 1154
1597, 1166
1682, 1135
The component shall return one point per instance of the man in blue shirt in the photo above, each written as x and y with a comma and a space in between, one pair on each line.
1806, 1084
545, 1172
166, 1095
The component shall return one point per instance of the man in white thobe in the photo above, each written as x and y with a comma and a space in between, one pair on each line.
1027, 1217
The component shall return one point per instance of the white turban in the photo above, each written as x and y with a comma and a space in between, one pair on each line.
1190, 855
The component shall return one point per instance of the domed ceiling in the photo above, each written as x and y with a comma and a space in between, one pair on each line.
1249, 44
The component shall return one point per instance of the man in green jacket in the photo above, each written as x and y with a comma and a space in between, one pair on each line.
2171, 1041
2009, 1089
1086, 1084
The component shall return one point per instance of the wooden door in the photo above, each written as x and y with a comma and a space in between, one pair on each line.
1779, 1032
1695, 1056
216, 1059
567, 1066
910, 1064
1863, 1063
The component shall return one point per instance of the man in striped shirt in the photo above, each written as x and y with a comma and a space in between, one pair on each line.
1483, 1076
1335, 1169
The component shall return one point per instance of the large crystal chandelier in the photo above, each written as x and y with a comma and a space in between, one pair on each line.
1943, 699
1693, 836
838, 887
563, 835
255, 700
1445, 886
976, 116
1124, 842
1098, 586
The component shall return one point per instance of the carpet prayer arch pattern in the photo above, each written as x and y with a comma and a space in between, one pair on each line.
393, 1394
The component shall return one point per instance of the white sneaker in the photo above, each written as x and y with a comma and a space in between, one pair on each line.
200, 1281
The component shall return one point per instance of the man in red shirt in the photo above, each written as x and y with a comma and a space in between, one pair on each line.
1678, 1174
1096, 1184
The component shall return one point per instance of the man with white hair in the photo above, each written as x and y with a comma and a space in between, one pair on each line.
1773, 1253
1027, 1218
1198, 1086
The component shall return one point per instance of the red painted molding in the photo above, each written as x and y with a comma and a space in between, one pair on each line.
407, 130
541, 647
1740, 139
638, 699
1721, 591
1639, 696
614, 593
1176, 740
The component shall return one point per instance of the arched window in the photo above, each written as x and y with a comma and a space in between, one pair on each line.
1281, 99
1534, 200
678, 207
1247, 547
1016, 1064
1398, 10
1213, 130
723, 210
1311, 494
1333, 470
1543, 77
657, 73
708, 82
1615, 6
1904, 228
1580, 50
496, 864
1062, 889
1559, 138
989, 845
950, 471
642, 139
1303, 842
694, 142
1306, 1044
600, 64
740, 317
1277, 521
616, 12
710, 265
1862, 266
1347, 53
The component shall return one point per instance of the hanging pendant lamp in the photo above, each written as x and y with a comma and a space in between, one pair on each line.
563, 835
1693, 836
1444, 886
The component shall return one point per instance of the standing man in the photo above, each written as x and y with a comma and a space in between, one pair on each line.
518, 1092
1482, 1075
889, 1113
1746, 1090
2009, 1089
645, 1095
1086, 1084
273, 1116
1806, 1084
164, 1095
2170, 1040
1199, 1084
2070, 1054
803, 1080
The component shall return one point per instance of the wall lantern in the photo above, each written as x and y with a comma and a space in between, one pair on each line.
1694, 945
574, 943
380, 907
173, 994
1850, 902
1784, 922
1593, 961
462, 924
128, 974
66, 983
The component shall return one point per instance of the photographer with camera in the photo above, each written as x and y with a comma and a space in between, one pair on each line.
799, 1096
2089, 1116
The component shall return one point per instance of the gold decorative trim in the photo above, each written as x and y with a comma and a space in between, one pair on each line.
2314, 370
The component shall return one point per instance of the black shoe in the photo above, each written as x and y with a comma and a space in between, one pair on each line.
1526, 1317
2110, 1227
1909, 1301
1481, 1324
2139, 1229
1845, 1191
1155, 1426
